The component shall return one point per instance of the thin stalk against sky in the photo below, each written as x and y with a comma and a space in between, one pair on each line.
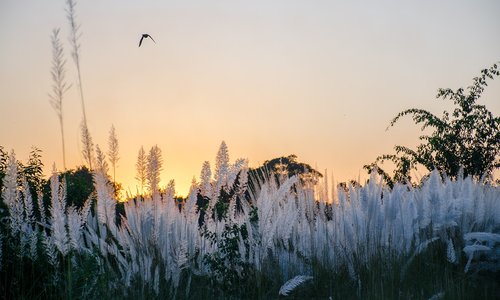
59, 86
74, 37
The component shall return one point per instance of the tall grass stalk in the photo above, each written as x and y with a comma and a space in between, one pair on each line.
113, 149
74, 38
59, 86
75, 44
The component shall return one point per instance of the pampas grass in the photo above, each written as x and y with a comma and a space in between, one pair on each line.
10, 195
368, 241
293, 283
113, 149
59, 218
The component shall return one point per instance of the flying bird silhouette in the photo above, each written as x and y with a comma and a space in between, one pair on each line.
145, 36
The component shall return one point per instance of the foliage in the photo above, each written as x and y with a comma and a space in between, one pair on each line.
79, 186
466, 139
227, 265
33, 171
280, 168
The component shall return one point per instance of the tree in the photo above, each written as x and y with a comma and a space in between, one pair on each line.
113, 150
59, 86
467, 139
79, 186
282, 167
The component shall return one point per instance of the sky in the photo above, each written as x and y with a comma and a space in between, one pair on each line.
318, 79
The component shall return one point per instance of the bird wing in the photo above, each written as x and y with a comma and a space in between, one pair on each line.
140, 42
151, 38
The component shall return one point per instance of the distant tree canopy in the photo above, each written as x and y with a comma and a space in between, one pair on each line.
79, 186
282, 166
277, 168
467, 139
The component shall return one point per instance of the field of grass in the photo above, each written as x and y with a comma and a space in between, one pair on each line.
234, 240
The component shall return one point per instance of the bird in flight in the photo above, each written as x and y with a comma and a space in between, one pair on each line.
145, 36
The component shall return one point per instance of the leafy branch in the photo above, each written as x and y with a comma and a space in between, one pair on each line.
468, 138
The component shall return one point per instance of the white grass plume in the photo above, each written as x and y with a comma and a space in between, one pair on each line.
141, 169
105, 202
205, 177
29, 217
488, 237
437, 296
293, 283
101, 164
74, 228
88, 144
28, 230
113, 149
221, 166
58, 218
41, 208
10, 195
450, 252
154, 167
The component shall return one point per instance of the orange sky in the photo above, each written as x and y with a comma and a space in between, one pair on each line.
318, 79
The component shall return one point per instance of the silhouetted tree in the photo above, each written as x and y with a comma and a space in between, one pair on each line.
79, 186
281, 167
467, 138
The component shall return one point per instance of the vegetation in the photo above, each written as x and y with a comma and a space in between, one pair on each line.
370, 242
113, 150
258, 233
79, 186
281, 168
466, 140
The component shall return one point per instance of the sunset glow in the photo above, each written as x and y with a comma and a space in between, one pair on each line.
319, 79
